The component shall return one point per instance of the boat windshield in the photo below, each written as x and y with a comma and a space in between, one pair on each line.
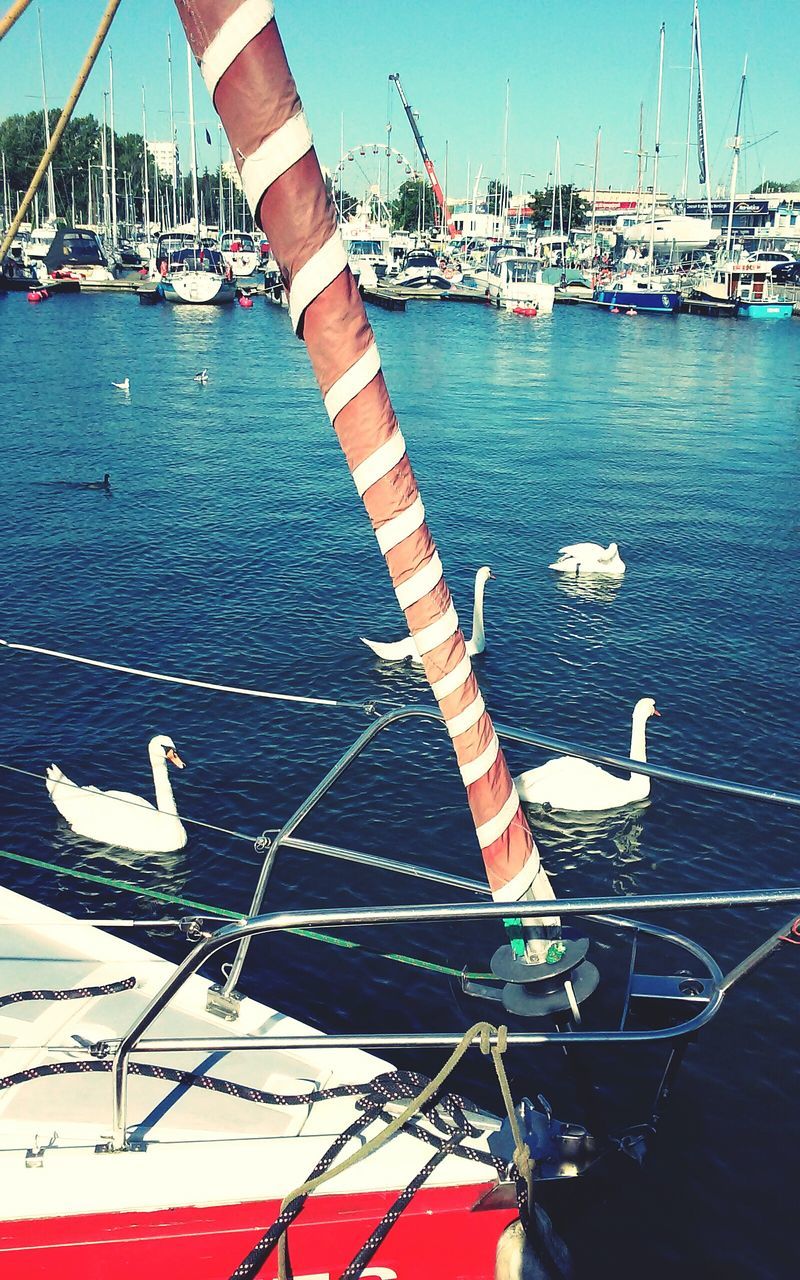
421, 258
238, 242
364, 248
194, 259
522, 270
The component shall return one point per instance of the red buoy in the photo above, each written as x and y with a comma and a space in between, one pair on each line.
526, 311
34, 296
245, 301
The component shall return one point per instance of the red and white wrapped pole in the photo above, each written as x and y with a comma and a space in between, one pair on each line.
242, 60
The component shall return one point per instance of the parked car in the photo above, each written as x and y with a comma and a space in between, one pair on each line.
786, 272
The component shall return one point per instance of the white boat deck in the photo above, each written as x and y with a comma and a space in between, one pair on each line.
201, 1146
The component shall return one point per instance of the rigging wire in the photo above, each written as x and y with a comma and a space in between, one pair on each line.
369, 708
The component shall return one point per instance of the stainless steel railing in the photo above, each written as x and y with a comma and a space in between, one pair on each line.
613, 911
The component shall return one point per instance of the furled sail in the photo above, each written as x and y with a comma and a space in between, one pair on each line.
243, 63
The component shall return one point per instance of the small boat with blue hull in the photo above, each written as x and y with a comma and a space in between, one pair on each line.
638, 292
749, 287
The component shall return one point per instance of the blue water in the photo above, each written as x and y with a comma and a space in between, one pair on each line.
234, 549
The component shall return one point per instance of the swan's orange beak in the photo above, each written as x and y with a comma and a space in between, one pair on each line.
493, 577
656, 711
174, 758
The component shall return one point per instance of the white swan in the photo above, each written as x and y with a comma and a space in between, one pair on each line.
581, 787
589, 557
122, 386
116, 817
398, 650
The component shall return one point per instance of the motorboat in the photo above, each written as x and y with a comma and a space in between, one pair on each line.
421, 270
368, 252
77, 254
39, 241
638, 291
519, 283
669, 232
748, 286
240, 252
190, 272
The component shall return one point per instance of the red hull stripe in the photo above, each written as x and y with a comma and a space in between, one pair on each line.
439, 1237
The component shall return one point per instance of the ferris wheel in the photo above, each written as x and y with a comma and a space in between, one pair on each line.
374, 162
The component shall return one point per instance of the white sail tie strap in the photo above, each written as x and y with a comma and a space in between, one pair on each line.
481, 765
420, 583
316, 274
516, 888
400, 527
466, 719
235, 34
274, 156
427, 638
346, 388
453, 680
494, 828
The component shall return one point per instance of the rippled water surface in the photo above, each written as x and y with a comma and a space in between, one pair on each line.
234, 549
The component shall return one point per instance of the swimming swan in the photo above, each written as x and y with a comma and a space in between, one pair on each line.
398, 650
581, 787
116, 817
122, 386
589, 557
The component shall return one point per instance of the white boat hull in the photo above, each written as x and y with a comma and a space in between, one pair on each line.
199, 288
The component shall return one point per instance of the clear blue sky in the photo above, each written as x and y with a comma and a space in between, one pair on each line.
571, 65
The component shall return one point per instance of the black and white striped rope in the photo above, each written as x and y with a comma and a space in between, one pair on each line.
68, 993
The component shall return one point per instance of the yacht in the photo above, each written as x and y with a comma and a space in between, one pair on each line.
190, 272
671, 231
748, 286
240, 252
368, 251
518, 284
421, 270
637, 291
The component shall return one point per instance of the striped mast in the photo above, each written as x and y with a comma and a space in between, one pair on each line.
242, 60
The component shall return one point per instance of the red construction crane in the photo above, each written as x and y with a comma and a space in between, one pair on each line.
426, 160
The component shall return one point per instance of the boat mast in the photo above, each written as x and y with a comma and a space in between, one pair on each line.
172, 135
594, 189
193, 142
560, 189
220, 193
104, 162
51, 187
553, 198
685, 183
701, 113
737, 147
146, 175
504, 175
656, 150
6, 206
113, 151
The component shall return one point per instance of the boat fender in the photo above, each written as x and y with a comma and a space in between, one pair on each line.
519, 1257
245, 301
34, 295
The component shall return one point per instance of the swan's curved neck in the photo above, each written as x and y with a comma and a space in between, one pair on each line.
165, 800
478, 633
638, 740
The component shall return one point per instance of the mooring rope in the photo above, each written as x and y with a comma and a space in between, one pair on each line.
367, 707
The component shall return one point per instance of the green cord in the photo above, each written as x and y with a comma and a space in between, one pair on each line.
158, 896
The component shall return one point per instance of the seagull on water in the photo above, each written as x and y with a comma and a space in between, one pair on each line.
122, 386
202, 376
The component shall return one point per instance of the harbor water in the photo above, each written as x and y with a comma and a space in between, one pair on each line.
233, 548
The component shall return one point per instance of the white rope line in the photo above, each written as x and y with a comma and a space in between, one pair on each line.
477, 768
379, 463
315, 276
351, 383
396, 530
274, 156
420, 583
492, 830
136, 803
233, 36
467, 718
184, 680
